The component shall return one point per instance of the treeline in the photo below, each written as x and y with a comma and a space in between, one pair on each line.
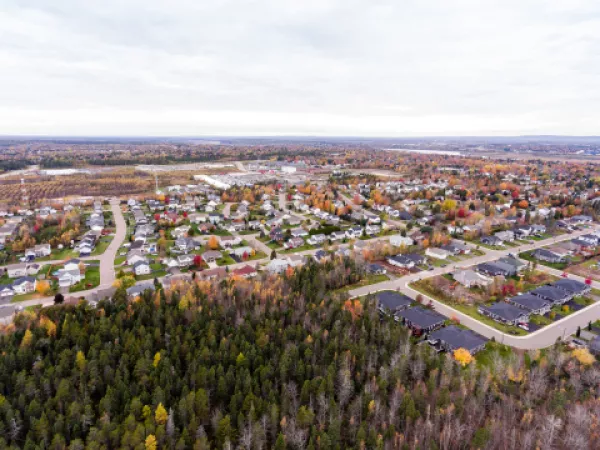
273, 363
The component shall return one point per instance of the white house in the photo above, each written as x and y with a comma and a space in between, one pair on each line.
469, 278
437, 253
24, 285
17, 270
398, 241
142, 268
68, 278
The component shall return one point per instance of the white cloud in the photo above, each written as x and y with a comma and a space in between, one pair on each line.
327, 67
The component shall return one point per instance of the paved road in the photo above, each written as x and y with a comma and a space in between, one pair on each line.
282, 201
107, 259
227, 210
542, 338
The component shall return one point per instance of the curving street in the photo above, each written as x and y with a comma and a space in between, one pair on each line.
541, 338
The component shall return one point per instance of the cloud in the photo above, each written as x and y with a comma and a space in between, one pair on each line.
327, 67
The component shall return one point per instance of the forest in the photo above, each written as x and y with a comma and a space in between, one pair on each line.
276, 362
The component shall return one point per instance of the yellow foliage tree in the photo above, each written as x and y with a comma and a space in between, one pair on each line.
150, 442
213, 243
156, 359
160, 416
80, 360
462, 356
48, 325
27, 338
583, 356
42, 287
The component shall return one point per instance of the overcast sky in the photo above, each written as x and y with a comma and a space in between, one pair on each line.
303, 67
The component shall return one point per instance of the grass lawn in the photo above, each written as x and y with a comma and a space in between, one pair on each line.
120, 260
102, 245
471, 310
558, 266
59, 254
220, 232
298, 249
91, 280
247, 232
257, 255
368, 280
151, 276
30, 296
225, 261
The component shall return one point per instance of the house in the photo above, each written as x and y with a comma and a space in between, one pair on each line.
573, 287
469, 278
419, 260
17, 270
186, 245
245, 272
185, 260
72, 264
531, 303
24, 285
517, 264
42, 250
390, 302
197, 218
320, 256
229, 241
436, 253
463, 249
505, 236
215, 218
68, 277
142, 268
211, 256
213, 274
373, 268
240, 252
421, 320
294, 242
495, 269
494, 241
452, 338
538, 230
372, 230
317, 239
141, 287
337, 236
401, 261
6, 291
354, 232
401, 241
279, 265
254, 224
180, 231
552, 294
542, 254
581, 219
134, 257
504, 313
299, 232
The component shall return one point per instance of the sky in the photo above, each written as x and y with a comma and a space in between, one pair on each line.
304, 67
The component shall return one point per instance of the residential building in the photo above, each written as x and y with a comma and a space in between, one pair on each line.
504, 313
421, 320
452, 338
